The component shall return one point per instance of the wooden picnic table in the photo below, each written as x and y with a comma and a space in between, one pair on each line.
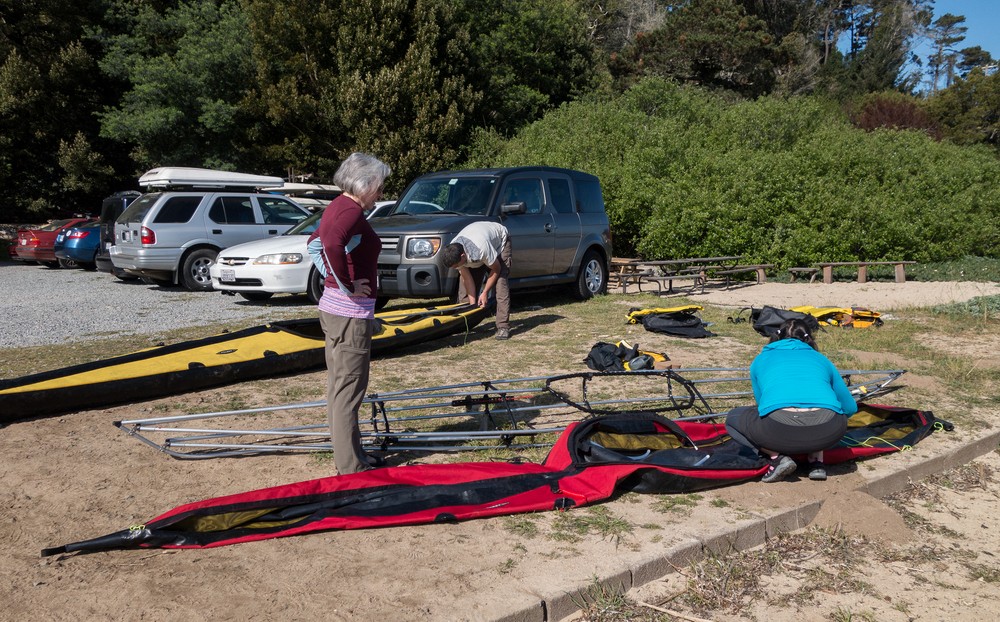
862, 266
626, 271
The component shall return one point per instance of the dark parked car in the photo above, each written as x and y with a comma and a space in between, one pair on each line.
558, 227
39, 244
111, 209
76, 247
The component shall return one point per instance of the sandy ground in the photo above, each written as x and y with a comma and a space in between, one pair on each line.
879, 296
75, 477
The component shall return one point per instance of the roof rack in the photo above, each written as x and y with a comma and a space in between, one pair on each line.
296, 189
174, 177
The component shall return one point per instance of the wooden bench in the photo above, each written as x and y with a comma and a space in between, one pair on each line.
760, 270
862, 266
804, 272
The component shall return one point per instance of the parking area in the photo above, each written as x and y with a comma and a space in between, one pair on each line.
42, 306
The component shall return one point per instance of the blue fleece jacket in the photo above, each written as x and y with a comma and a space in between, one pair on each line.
789, 373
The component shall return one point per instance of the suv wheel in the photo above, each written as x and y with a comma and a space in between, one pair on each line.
194, 272
314, 287
593, 277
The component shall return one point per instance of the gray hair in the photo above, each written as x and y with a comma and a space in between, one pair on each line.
361, 174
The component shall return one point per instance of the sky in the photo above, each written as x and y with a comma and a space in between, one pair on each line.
982, 18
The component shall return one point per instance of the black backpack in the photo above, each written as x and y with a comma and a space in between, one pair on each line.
767, 320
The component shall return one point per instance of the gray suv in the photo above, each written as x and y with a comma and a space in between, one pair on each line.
174, 234
558, 229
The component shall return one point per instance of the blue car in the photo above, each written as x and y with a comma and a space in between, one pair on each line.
76, 247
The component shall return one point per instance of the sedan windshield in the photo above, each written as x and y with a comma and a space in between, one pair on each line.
455, 195
307, 226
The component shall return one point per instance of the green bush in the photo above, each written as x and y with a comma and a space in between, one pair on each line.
783, 181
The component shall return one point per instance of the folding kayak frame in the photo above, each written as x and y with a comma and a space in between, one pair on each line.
495, 414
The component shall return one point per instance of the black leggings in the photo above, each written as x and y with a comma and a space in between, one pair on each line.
789, 432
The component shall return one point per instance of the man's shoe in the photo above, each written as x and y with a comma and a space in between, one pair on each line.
778, 469
503, 334
817, 471
375, 462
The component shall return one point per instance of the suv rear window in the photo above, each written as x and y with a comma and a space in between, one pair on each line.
136, 212
589, 197
177, 209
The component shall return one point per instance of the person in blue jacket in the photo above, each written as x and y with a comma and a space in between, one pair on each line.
802, 404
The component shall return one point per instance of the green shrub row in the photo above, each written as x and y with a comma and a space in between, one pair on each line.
782, 181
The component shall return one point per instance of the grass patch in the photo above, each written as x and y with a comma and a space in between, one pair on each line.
964, 269
523, 525
604, 603
980, 572
677, 504
984, 308
573, 525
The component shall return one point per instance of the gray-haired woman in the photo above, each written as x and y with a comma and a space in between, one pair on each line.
348, 252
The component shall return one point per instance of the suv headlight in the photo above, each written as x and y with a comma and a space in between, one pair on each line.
278, 259
421, 248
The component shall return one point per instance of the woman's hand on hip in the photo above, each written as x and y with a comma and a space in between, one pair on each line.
361, 288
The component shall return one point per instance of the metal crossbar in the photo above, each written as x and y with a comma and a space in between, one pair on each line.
511, 413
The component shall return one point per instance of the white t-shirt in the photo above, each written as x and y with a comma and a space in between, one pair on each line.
482, 242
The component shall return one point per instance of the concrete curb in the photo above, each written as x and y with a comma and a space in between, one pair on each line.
553, 607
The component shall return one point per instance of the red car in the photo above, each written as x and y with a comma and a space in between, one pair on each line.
39, 244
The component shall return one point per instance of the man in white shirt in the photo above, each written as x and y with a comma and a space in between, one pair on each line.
481, 245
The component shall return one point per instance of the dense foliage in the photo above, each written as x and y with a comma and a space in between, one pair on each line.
94, 93
783, 181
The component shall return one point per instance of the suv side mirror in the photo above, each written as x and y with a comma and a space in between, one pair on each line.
513, 208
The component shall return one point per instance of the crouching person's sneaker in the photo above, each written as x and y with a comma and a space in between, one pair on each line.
503, 334
778, 468
817, 471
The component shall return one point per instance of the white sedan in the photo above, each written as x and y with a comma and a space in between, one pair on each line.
277, 265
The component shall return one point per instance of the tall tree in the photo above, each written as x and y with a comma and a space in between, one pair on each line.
48, 94
882, 36
713, 43
612, 25
970, 109
386, 76
973, 57
946, 32
528, 56
188, 67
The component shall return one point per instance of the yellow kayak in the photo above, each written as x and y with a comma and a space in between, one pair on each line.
262, 351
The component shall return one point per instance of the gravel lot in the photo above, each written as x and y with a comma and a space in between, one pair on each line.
42, 306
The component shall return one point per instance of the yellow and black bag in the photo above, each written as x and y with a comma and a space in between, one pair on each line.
845, 317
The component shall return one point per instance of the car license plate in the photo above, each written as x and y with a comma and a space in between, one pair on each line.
228, 276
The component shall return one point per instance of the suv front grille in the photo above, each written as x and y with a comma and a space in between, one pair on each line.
389, 243
386, 272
